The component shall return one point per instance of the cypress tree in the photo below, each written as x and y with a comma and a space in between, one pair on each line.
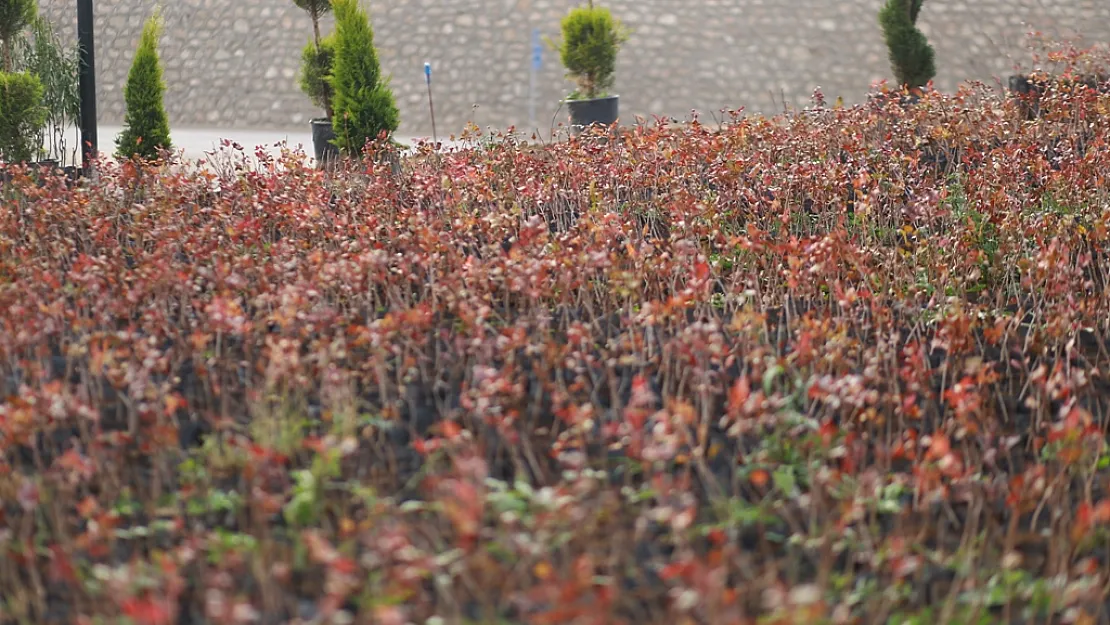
146, 125
21, 94
21, 115
911, 56
363, 103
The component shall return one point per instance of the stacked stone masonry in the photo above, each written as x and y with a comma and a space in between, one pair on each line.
234, 63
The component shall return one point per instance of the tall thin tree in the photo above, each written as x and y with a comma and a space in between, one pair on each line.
317, 62
911, 57
364, 105
146, 125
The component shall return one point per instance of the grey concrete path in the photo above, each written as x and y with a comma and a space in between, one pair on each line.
197, 143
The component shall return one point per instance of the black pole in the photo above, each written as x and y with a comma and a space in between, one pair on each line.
87, 83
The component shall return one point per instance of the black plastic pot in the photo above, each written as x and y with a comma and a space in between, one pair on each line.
322, 134
49, 167
1028, 93
595, 111
1022, 85
1029, 90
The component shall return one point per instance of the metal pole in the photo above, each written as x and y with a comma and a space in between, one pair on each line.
537, 61
431, 107
87, 83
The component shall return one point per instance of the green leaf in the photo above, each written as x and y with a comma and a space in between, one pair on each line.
769, 377
301, 509
784, 480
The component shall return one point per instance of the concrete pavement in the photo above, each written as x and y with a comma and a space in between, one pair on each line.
197, 143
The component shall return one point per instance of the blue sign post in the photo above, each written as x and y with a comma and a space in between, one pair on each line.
537, 50
537, 63
431, 106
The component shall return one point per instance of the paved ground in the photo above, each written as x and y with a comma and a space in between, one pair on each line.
196, 143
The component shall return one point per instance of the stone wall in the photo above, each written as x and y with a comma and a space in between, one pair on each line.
234, 63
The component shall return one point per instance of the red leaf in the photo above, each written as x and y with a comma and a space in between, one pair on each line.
147, 611
1084, 517
939, 447
61, 567
1102, 511
450, 429
738, 395
345, 566
701, 271
86, 507
674, 570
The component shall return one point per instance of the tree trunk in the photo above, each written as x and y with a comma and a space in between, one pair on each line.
316, 35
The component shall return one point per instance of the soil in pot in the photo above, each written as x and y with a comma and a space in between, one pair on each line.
595, 111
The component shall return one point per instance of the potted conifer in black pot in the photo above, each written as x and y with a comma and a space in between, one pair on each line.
146, 127
591, 39
363, 105
316, 66
911, 56
22, 114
